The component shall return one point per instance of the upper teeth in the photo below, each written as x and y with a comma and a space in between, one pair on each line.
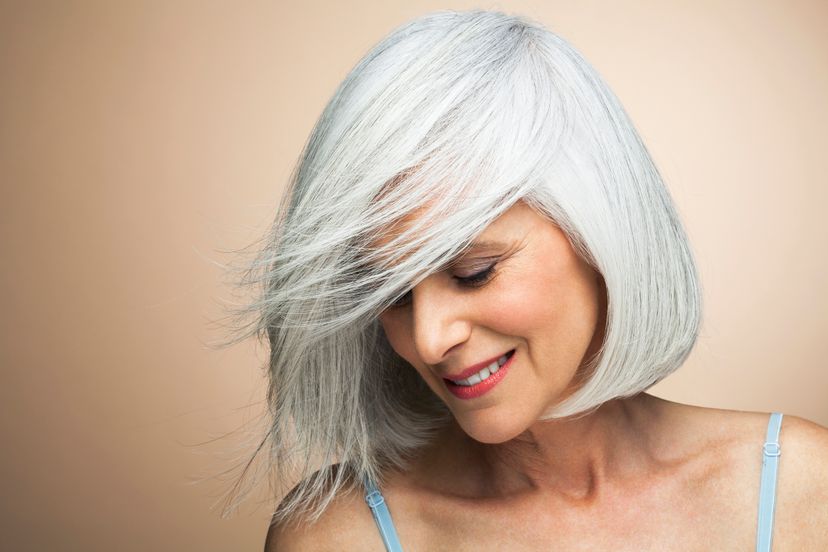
484, 373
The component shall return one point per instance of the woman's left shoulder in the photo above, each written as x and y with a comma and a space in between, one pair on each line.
734, 439
803, 462
803, 444
803, 447
802, 484
801, 510
806, 440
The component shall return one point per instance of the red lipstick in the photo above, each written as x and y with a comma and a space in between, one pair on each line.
472, 370
478, 389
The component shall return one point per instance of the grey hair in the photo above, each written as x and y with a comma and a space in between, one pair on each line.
454, 116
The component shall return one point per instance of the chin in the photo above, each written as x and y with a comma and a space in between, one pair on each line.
492, 432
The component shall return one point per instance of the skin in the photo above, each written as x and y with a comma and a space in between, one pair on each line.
547, 304
640, 473
591, 478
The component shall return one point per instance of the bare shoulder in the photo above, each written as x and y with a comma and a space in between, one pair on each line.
807, 444
736, 438
345, 524
802, 491
801, 509
804, 458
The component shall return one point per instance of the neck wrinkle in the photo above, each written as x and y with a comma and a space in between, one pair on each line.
570, 459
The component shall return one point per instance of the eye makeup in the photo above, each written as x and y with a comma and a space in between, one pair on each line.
471, 271
473, 280
478, 278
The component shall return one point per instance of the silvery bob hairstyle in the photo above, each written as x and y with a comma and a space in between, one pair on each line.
454, 116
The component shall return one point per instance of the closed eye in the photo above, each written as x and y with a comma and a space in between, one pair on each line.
477, 279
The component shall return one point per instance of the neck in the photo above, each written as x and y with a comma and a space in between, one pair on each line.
573, 458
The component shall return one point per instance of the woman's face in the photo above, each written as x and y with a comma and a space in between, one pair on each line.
523, 289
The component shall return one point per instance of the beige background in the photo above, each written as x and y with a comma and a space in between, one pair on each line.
139, 140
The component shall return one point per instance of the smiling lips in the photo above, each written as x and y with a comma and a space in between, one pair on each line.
479, 378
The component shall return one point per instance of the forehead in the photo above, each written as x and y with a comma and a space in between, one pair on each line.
394, 229
513, 225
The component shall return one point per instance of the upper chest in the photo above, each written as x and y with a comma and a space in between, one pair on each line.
706, 506
710, 502
679, 515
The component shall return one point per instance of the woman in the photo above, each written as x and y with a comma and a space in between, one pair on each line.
474, 277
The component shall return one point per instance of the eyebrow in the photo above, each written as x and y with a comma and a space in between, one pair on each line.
486, 244
475, 247
479, 246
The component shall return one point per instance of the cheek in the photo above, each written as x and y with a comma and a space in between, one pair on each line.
398, 334
553, 312
521, 305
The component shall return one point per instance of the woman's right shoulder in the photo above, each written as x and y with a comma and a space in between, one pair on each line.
345, 524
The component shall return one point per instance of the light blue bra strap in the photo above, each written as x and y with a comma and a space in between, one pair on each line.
767, 489
382, 516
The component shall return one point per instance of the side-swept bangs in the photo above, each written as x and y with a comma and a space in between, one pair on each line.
447, 122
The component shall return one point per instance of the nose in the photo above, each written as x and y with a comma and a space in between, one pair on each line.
440, 324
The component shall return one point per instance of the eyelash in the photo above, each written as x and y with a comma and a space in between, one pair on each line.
476, 280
